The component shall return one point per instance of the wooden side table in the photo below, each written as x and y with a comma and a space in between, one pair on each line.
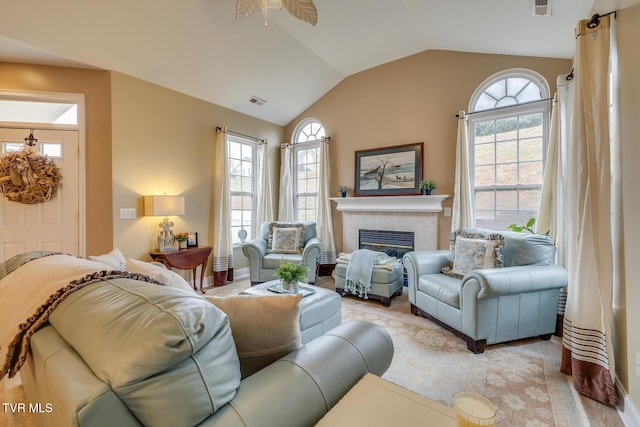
185, 259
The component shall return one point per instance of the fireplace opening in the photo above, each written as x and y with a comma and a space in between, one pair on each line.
392, 243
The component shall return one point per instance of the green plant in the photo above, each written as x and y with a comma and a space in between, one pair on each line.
290, 271
427, 184
527, 227
342, 189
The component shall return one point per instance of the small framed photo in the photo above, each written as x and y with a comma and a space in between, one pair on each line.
192, 239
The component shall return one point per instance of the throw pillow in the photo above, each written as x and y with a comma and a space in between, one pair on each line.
113, 259
286, 238
264, 327
472, 251
161, 274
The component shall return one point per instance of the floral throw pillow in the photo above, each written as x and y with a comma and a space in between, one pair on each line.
286, 238
475, 252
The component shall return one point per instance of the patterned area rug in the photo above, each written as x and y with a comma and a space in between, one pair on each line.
521, 378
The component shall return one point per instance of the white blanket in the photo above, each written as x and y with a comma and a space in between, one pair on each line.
360, 270
31, 292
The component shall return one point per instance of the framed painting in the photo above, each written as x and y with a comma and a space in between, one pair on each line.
389, 171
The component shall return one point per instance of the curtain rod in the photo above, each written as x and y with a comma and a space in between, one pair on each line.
242, 135
323, 139
507, 106
593, 23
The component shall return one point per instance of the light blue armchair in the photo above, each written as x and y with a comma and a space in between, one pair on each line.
262, 264
490, 305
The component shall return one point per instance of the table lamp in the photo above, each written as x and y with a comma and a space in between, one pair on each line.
165, 206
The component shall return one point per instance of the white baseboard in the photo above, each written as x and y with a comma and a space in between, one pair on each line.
240, 274
628, 411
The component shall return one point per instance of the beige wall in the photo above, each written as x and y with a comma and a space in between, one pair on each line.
627, 315
163, 143
96, 88
414, 99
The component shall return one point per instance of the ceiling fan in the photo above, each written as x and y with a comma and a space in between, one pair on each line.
304, 10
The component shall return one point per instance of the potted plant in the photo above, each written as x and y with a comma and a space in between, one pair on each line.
343, 190
426, 186
291, 273
182, 238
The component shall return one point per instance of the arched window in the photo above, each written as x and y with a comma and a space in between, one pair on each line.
306, 159
508, 121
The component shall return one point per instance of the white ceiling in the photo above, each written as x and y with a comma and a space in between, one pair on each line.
198, 48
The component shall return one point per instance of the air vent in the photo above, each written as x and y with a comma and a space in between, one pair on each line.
541, 7
256, 100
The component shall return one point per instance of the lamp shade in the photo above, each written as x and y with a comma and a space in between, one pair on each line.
163, 205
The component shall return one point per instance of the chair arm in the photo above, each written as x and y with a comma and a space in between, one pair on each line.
419, 263
300, 388
311, 251
255, 250
516, 280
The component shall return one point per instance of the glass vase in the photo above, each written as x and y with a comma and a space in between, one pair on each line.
290, 287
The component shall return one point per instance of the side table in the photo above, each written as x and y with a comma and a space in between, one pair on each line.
185, 259
375, 401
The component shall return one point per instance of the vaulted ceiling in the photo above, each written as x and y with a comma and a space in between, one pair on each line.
198, 48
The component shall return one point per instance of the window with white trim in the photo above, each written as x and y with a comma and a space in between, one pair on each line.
306, 158
242, 173
508, 137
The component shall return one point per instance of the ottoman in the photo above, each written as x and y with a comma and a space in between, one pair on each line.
385, 284
319, 312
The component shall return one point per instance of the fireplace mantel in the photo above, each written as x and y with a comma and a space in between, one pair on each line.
417, 214
420, 203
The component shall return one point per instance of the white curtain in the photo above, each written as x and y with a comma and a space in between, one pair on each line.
587, 335
285, 205
547, 220
462, 210
324, 222
222, 249
264, 199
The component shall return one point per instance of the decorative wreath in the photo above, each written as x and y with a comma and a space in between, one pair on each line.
28, 177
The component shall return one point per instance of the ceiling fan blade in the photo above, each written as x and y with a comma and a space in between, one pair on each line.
246, 8
302, 9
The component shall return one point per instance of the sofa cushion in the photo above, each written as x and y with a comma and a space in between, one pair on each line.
441, 287
153, 345
114, 259
285, 238
272, 261
264, 327
159, 273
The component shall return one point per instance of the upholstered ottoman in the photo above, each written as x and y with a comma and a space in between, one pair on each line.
385, 283
319, 311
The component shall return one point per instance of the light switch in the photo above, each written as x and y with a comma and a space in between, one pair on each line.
127, 213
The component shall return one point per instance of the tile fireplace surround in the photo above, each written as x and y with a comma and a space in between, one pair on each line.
418, 214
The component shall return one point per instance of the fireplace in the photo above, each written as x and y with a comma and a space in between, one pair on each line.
412, 214
393, 243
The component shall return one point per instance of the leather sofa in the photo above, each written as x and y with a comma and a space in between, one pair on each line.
127, 353
490, 305
263, 263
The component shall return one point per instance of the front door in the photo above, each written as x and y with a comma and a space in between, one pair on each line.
52, 225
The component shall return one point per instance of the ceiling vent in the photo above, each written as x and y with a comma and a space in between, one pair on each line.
256, 100
541, 7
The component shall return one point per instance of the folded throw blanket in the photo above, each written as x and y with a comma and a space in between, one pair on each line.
388, 263
359, 271
30, 291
